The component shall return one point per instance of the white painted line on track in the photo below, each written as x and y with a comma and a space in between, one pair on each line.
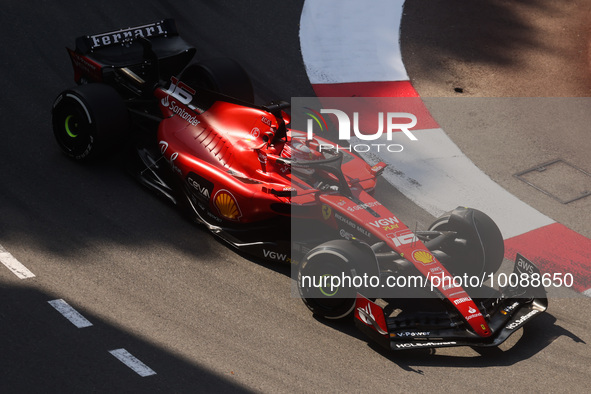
70, 313
136, 365
352, 41
14, 265
587, 293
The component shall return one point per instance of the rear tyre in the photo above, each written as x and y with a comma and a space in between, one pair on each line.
89, 120
480, 248
221, 75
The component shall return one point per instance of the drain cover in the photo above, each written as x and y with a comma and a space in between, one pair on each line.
558, 179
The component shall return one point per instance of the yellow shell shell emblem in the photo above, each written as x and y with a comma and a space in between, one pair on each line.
227, 206
423, 256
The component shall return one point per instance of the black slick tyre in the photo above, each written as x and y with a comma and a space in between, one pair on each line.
340, 259
478, 247
89, 120
221, 75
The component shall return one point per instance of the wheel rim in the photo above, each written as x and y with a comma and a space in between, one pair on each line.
72, 129
327, 300
325, 292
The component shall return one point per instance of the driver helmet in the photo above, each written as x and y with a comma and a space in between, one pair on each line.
301, 150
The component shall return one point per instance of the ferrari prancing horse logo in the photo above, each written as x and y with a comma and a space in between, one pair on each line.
326, 212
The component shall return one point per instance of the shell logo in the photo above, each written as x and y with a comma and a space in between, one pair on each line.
227, 205
423, 256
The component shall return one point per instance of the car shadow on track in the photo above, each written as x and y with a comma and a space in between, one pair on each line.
43, 352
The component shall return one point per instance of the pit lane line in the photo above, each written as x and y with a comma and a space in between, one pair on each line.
350, 49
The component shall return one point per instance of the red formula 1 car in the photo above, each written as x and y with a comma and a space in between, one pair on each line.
236, 167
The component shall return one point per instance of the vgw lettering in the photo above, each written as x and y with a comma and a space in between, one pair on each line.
385, 222
345, 125
275, 256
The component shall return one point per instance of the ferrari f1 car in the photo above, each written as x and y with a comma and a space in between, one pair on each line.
198, 140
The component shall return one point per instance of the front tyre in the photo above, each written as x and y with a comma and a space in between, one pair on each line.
326, 277
323, 295
89, 120
478, 246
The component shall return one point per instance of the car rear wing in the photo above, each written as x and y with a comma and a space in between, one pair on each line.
136, 54
122, 37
